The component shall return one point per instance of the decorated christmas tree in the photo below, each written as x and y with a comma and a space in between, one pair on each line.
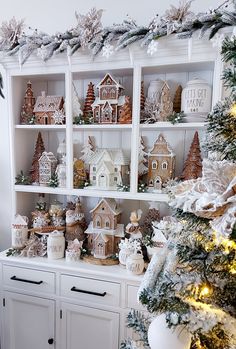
191, 283
39, 149
88, 152
193, 163
142, 96
90, 98
177, 99
142, 159
126, 112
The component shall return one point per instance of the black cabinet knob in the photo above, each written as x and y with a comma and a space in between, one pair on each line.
50, 341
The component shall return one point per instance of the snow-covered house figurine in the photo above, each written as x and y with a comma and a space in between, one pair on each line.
49, 110
105, 231
161, 163
47, 167
107, 169
107, 107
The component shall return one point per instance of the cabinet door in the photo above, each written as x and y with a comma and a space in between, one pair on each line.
88, 328
28, 322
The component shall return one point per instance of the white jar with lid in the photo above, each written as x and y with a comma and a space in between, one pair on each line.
196, 100
135, 263
56, 245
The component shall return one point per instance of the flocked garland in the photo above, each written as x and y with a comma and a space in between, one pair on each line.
91, 35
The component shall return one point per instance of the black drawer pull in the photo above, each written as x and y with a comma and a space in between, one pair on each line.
25, 280
88, 292
50, 341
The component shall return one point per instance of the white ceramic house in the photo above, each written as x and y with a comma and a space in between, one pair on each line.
107, 169
108, 105
47, 167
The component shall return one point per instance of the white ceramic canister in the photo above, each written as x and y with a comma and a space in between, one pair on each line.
19, 231
56, 245
154, 89
196, 100
135, 263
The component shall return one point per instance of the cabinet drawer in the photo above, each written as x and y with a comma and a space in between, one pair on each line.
90, 290
28, 279
132, 298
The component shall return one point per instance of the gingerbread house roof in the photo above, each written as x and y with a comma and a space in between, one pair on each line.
48, 103
120, 101
161, 147
111, 203
118, 232
102, 82
102, 236
48, 157
116, 156
20, 220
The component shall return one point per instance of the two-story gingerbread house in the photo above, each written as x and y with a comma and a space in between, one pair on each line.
105, 231
161, 163
108, 105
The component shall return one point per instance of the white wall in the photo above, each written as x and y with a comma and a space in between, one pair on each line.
58, 15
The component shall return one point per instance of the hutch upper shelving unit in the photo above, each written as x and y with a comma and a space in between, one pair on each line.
172, 62
57, 303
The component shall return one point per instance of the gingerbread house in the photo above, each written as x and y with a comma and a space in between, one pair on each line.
48, 110
107, 107
161, 163
108, 168
105, 231
47, 167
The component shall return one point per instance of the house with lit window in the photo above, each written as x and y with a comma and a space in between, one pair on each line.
108, 105
105, 231
161, 163
107, 169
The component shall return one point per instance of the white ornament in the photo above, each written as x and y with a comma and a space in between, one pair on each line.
58, 117
152, 47
107, 50
160, 336
233, 34
73, 256
42, 52
76, 107
61, 173
126, 249
217, 40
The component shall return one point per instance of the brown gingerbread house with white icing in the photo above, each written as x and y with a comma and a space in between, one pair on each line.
105, 230
108, 105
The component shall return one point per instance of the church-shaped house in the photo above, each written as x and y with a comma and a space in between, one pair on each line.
108, 105
161, 164
108, 168
105, 230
